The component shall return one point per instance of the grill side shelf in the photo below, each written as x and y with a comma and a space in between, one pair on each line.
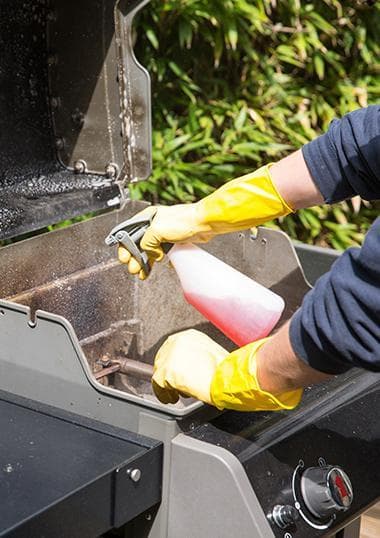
68, 476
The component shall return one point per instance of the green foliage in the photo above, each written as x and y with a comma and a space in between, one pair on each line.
239, 83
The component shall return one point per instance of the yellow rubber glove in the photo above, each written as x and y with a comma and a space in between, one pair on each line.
185, 365
235, 386
191, 364
240, 204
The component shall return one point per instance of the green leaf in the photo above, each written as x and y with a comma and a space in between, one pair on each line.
150, 34
185, 32
319, 66
240, 119
236, 84
232, 34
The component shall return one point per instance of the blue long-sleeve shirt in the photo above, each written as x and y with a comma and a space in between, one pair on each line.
338, 324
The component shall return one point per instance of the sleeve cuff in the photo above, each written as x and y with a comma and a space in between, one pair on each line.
307, 350
324, 168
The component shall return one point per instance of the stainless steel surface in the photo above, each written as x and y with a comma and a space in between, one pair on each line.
92, 76
224, 504
117, 316
35, 189
74, 110
134, 84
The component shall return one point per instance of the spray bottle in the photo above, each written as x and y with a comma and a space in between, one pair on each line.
237, 305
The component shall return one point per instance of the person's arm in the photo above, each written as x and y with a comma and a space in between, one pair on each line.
336, 328
338, 165
345, 161
338, 325
294, 182
278, 367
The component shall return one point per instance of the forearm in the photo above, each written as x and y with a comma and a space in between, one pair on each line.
293, 181
279, 369
337, 326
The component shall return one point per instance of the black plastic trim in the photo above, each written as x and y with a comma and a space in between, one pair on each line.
64, 475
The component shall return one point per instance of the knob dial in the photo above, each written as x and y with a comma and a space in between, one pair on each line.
326, 490
284, 515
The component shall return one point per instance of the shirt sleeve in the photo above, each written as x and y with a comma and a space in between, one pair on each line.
338, 325
345, 161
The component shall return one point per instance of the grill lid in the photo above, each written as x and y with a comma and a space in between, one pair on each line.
75, 122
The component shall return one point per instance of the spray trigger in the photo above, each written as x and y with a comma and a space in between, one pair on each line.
129, 234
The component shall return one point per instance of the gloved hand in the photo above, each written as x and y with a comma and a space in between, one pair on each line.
190, 363
185, 365
239, 204
171, 224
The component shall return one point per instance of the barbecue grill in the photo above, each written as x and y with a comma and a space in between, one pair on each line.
86, 447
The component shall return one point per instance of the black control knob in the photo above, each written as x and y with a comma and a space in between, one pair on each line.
326, 490
284, 515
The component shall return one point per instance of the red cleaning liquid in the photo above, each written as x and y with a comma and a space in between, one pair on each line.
227, 317
237, 305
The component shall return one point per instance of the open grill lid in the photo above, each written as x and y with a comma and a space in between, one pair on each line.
75, 121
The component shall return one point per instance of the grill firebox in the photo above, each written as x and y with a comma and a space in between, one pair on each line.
71, 273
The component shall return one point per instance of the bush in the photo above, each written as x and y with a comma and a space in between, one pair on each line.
238, 83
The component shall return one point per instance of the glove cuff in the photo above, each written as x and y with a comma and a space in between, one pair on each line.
287, 208
235, 386
243, 203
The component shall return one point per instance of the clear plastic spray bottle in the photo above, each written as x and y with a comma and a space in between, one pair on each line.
240, 307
